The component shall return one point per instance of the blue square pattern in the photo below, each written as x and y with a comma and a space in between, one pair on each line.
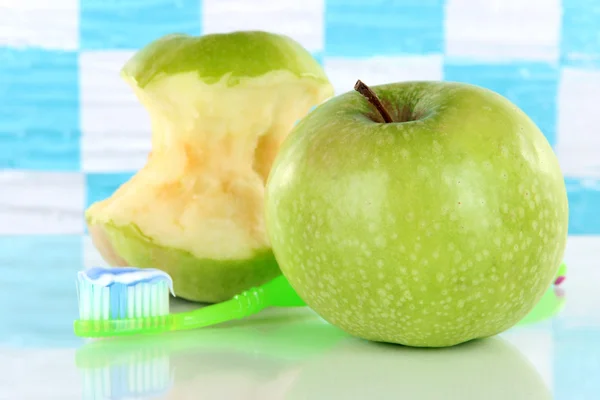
39, 110
23, 261
364, 28
319, 58
531, 86
131, 24
39, 90
584, 201
99, 186
580, 39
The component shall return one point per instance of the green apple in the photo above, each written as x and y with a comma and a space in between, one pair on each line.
443, 225
220, 105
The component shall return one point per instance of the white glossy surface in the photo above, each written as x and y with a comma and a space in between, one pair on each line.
281, 354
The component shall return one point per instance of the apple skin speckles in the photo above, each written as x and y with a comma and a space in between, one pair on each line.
453, 234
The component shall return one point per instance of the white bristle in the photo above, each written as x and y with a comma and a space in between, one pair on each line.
130, 304
138, 304
144, 299
105, 303
146, 293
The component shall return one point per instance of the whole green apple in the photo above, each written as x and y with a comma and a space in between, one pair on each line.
220, 106
443, 225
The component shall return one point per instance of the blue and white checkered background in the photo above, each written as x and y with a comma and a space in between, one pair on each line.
71, 131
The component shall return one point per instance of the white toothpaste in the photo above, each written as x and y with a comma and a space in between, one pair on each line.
128, 276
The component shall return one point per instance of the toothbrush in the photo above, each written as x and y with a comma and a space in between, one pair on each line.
128, 301
138, 302
561, 275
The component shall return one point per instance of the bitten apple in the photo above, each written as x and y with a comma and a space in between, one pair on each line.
220, 106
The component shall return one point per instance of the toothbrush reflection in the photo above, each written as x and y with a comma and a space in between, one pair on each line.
227, 362
294, 355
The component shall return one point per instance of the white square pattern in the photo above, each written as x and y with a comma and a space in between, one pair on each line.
91, 256
578, 120
494, 30
40, 23
343, 72
301, 20
114, 132
115, 126
41, 203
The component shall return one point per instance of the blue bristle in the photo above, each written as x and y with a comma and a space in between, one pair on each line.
118, 301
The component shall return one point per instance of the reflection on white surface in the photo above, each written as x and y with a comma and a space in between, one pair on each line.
300, 357
287, 354
293, 354
488, 369
140, 374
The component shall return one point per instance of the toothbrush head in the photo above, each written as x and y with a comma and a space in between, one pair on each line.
122, 299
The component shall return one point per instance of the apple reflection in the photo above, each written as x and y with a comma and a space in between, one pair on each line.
483, 369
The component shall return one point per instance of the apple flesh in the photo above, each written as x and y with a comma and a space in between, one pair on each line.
445, 225
220, 106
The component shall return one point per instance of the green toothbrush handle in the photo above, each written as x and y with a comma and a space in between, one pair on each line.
243, 305
275, 293
560, 274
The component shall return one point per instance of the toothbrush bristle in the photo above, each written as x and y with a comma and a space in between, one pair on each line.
121, 301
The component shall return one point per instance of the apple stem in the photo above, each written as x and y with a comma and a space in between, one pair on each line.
370, 95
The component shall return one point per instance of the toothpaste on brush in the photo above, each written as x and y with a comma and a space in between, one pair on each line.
119, 293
